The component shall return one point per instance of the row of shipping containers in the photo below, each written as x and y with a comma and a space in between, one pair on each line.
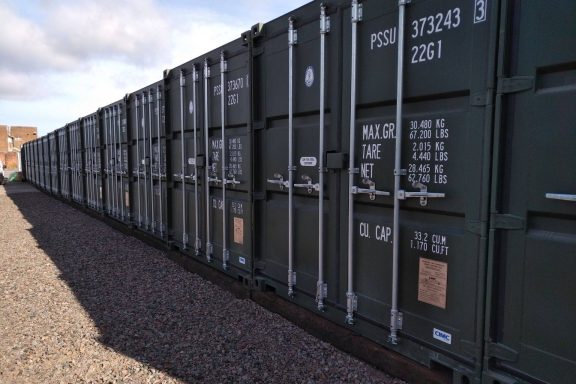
403, 168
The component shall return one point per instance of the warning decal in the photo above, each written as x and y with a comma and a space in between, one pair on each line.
239, 230
432, 282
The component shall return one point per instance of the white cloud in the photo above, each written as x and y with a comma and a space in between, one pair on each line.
24, 46
132, 31
63, 59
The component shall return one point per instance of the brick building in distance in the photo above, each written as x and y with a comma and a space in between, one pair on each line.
12, 137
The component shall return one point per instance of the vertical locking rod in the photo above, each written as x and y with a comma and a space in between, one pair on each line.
106, 159
112, 135
145, 166
208, 165
115, 147
122, 191
198, 242
124, 161
93, 159
394, 314
93, 162
224, 167
183, 159
89, 156
159, 142
97, 164
87, 136
88, 161
292, 39
72, 166
151, 154
138, 162
320, 290
350, 295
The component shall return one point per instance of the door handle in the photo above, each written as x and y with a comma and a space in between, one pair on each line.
423, 194
371, 190
561, 196
311, 187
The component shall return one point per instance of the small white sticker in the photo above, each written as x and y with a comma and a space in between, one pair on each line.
308, 161
242, 260
309, 76
444, 337
191, 161
191, 107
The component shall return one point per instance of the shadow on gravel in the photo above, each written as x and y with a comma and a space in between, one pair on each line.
145, 306
150, 309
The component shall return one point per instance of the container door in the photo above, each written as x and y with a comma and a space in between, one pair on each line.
186, 191
33, 162
37, 161
64, 165
140, 175
124, 160
121, 160
298, 212
89, 161
94, 168
227, 106
157, 142
110, 205
534, 210
97, 158
76, 146
424, 187
43, 162
47, 163
73, 161
117, 153
53, 163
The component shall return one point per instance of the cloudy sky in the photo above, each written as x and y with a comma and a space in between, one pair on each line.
62, 59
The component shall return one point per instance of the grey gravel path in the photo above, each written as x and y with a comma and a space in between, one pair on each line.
81, 302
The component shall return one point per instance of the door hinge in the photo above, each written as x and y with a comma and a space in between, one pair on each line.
515, 84
474, 227
506, 221
501, 352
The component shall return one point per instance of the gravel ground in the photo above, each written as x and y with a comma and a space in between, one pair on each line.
81, 302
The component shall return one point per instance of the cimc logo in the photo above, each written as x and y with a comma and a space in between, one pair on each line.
445, 337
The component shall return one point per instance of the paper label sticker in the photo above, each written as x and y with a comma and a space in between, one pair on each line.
127, 199
191, 161
308, 161
239, 230
432, 282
